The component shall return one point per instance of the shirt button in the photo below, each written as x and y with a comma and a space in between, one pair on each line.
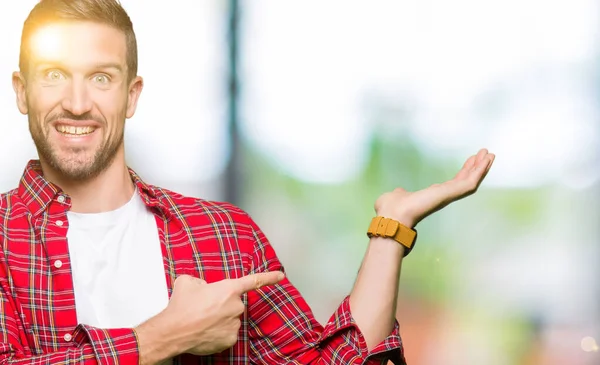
58, 264
68, 337
59, 223
61, 199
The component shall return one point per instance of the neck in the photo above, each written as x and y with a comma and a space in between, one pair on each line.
111, 189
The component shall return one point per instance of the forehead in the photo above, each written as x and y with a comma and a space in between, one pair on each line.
77, 43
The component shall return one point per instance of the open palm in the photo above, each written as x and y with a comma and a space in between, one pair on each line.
412, 207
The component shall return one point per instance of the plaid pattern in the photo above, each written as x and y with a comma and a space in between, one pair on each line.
213, 241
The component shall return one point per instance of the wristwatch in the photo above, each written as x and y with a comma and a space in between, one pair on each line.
389, 228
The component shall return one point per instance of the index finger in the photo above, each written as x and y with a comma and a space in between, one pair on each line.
256, 281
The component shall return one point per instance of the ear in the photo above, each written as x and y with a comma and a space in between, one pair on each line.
135, 89
20, 87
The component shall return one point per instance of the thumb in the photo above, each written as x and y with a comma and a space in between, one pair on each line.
256, 281
188, 279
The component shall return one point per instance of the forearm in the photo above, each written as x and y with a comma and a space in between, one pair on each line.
81, 356
91, 346
374, 296
157, 342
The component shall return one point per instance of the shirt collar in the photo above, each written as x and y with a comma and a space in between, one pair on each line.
37, 193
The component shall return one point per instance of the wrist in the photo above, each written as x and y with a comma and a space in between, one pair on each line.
402, 217
389, 228
388, 244
157, 341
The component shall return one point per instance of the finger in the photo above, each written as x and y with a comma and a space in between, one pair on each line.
256, 281
486, 162
480, 157
467, 167
490, 159
482, 169
483, 160
469, 163
183, 278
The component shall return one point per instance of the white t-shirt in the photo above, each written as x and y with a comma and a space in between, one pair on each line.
117, 265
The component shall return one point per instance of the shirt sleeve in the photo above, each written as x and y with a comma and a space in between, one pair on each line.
283, 330
90, 346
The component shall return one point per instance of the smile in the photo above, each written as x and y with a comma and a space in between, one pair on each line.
75, 131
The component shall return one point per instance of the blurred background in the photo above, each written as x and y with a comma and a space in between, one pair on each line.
304, 112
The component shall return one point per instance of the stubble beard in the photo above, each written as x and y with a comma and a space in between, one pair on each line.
76, 163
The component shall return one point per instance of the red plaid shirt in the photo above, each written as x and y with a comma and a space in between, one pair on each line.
213, 241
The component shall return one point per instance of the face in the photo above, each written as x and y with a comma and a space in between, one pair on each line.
77, 95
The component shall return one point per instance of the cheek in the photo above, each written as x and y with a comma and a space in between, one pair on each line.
115, 121
43, 102
37, 117
111, 102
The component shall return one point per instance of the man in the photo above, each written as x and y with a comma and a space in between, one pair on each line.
98, 267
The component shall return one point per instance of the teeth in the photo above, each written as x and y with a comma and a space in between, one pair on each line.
68, 129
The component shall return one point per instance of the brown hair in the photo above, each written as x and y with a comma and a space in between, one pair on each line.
109, 12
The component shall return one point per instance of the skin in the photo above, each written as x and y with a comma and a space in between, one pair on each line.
78, 77
379, 274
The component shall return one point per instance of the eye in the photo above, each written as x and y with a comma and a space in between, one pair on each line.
54, 75
101, 79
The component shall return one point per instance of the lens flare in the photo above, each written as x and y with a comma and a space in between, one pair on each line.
588, 344
46, 42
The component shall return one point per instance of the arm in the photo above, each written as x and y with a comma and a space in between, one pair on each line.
90, 345
380, 270
283, 330
379, 278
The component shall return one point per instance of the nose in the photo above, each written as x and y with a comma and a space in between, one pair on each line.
77, 98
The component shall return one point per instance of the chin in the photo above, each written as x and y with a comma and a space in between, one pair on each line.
78, 173
75, 167
78, 164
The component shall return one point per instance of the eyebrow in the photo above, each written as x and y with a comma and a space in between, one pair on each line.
99, 66
114, 66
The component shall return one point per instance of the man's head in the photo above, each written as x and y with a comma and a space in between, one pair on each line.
78, 83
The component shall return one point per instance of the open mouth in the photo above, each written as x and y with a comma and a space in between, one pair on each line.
72, 131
